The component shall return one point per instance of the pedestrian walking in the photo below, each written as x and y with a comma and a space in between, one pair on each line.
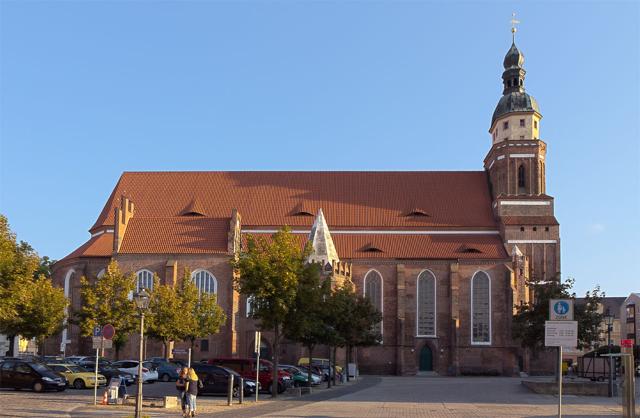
192, 386
181, 386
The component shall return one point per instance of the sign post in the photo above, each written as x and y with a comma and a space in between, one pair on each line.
97, 334
563, 333
256, 349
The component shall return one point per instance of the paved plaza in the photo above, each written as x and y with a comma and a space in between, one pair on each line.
370, 397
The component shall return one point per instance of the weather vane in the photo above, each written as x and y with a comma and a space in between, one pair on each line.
514, 22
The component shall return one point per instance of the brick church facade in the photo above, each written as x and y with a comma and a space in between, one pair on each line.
443, 255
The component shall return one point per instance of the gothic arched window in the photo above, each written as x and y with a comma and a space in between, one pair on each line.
373, 291
481, 308
144, 280
521, 177
205, 281
426, 305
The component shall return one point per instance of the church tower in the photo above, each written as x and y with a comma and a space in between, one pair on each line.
515, 166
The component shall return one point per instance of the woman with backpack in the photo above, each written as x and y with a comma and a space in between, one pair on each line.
192, 386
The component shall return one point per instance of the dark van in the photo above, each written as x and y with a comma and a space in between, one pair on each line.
246, 367
30, 375
215, 380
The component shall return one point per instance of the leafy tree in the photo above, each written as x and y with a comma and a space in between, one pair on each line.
528, 323
307, 320
30, 306
44, 268
40, 309
107, 301
268, 271
354, 318
201, 313
166, 315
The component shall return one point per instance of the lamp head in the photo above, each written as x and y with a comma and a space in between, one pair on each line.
141, 299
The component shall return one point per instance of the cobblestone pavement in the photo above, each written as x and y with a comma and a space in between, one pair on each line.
370, 397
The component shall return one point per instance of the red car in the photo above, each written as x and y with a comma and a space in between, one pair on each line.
246, 367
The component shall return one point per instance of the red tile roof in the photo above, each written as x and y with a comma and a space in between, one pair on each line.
349, 199
177, 235
98, 246
405, 246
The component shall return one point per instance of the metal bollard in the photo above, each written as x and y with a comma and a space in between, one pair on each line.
241, 390
230, 391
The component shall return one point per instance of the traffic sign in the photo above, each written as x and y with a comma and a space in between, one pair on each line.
256, 347
108, 331
626, 343
106, 344
561, 334
97, 342
560, 310
97, 331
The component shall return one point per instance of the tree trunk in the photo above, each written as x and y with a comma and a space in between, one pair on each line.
12, 340
165, 348
348, 359
329, 376
276, 358
310, 351
335, 362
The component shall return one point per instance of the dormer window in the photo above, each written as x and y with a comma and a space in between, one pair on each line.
302, 213
468, 250
303, 208
370, 248
193, 208
417, 212
522, 123
505, 125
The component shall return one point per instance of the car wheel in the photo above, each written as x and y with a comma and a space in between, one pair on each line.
78, 384
296, 384
165, 377
236, 392
38, 387
281, 388
60, 389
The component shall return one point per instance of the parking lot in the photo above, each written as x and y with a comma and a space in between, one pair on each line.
370, 396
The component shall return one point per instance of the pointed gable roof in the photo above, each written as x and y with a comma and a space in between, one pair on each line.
323, 250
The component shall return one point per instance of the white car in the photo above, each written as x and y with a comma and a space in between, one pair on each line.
131, 366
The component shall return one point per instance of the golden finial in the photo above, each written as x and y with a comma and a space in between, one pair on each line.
514, 22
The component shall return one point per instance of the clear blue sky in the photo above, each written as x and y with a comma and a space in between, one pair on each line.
91, 89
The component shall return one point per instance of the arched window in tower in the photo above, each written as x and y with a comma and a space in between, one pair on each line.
204, 281
373, 291
426, 305
144, 280
521, 179
481, 308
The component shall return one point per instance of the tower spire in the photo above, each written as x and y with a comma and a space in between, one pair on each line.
514, 22
322, 249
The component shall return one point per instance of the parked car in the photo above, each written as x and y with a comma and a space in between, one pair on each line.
20, 374
174, 361
215, 380
168, 370
320, 366
131, 366
299, 376
77, 376
76, 359
108, 371
246, 367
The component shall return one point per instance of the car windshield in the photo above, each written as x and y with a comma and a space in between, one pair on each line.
39, 367
75, 369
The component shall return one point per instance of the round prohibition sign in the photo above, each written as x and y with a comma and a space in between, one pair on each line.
108, 331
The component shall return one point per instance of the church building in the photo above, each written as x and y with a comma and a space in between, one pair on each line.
443, 255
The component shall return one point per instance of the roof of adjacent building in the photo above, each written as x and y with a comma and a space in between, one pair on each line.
370, 214
609, 304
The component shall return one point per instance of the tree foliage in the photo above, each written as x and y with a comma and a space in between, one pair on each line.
202, 315
31, 306
166, 315
268, 271
308, 320
528, 323
107, 301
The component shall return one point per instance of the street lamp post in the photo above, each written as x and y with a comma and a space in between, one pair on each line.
141, 300
608, 318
